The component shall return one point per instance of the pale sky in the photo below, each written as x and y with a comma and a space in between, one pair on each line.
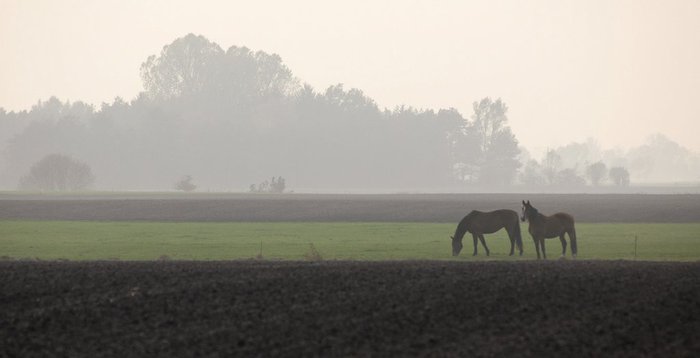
617, 71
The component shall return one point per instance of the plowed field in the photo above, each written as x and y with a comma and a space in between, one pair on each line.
448, 208
557, 308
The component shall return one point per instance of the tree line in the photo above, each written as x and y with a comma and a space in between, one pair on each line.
228, 118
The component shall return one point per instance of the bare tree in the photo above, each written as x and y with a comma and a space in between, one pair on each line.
550, 166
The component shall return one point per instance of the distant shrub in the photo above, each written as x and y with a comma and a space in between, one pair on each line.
58, 172
275, 185
259, 256
185, 184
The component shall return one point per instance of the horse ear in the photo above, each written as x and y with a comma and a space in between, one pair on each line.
523, 202
528, 202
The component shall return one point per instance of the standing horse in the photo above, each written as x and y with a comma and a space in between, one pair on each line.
547, 227
479, 223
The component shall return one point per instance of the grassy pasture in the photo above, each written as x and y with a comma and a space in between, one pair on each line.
77, 240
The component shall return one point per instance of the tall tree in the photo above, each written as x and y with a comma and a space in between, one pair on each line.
596, 172
186, 66
568, 178
531, 174
619, 176
551, 164
498, 163
489, 119
467, 152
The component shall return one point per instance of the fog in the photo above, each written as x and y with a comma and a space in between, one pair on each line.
398, 97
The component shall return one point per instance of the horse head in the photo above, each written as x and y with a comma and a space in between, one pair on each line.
528, 211
456, 245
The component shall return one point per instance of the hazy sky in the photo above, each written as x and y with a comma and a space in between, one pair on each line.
614, 70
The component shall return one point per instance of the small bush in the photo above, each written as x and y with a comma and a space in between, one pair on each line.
164, 258
313, 254
275, 185
185, 184
259, 256
58, 172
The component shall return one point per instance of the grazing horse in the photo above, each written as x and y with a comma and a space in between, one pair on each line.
479, 223
547, 227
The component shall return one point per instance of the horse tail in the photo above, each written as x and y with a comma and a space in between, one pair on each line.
518, 236
572, 238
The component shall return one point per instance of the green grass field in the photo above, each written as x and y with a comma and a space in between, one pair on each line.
72, 240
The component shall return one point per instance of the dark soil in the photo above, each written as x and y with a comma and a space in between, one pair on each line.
559, 308
450, 208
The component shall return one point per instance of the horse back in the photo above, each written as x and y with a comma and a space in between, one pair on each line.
565, 219
490, 222
559, 223
551, 226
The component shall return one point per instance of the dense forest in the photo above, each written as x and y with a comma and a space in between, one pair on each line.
226, 119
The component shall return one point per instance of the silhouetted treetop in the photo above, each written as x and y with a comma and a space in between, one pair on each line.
193, 65
353, 100
487, 149
185, 66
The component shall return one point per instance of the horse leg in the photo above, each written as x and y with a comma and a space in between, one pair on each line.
563, 245
544, 253
519, 238
483, 242
512, 243
537, 247
572, 238
476, 243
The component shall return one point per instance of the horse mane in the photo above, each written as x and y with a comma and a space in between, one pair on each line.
532, 212
464, 224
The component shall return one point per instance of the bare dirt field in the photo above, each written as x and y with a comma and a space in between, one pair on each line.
585, 308
631, 208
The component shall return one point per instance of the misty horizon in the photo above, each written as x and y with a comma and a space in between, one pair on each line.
618, 71
248, 112
397, 96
